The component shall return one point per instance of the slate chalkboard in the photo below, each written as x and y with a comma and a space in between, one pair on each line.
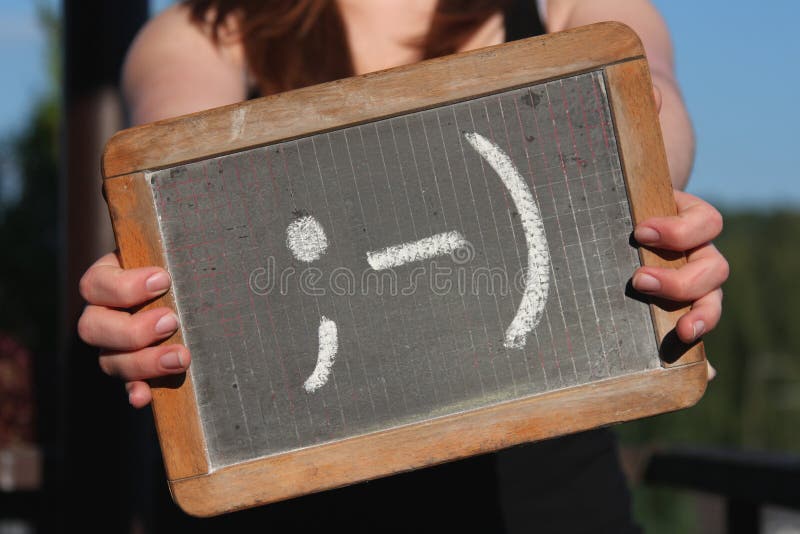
356, 290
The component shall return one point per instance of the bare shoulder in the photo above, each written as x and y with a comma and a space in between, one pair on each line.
641, 15
174, 67
563, 14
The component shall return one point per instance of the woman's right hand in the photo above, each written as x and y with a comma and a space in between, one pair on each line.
125, 338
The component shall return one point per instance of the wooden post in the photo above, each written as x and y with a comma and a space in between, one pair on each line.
86, 421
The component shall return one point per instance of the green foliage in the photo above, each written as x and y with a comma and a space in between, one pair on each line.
50, 21
664, 511
755, 348
754, 402
28, 228
28, 274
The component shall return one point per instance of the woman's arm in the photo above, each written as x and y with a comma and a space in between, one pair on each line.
174, 67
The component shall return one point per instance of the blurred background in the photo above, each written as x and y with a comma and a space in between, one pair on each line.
730, 464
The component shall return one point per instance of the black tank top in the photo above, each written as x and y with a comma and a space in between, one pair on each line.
522, 19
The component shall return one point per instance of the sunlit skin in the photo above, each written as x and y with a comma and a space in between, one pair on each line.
174, 68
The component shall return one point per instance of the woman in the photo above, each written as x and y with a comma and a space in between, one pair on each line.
206, 53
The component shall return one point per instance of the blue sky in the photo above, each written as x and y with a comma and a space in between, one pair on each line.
737, 65
22, 59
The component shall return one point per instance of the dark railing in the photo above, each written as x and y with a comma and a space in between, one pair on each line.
747, 480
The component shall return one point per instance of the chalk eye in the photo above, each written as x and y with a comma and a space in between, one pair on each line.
306, 239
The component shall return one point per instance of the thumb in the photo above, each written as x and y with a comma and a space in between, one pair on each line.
657, 97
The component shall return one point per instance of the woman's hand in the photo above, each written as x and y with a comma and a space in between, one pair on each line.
123, 337
699, 281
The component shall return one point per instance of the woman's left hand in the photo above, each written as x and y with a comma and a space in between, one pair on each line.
699, 282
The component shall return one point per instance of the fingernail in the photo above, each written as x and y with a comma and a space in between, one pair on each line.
645, 235
698, 328
158, 282
167, 324
711, 371
171, 360
645, 282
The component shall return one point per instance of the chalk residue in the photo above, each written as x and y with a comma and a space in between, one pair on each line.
306, 239
328, 346
538, 275
237, 122
422, 249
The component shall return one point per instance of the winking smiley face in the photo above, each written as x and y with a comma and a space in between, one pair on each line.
306, 240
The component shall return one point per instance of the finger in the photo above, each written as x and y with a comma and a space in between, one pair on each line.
657, 97
139, 394
711, 372
107, 284
697, 222
702, 318
121, 331
697, 278
150, 362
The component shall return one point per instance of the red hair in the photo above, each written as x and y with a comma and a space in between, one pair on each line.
294, 43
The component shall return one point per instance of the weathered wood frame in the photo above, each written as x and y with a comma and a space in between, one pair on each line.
610, 47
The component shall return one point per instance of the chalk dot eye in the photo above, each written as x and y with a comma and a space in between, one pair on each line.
306, 239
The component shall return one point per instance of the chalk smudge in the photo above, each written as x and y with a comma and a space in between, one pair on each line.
237, 122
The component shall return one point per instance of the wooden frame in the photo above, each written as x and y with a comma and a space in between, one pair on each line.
611, 47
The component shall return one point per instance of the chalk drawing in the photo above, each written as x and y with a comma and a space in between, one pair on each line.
537, 281
328, 346
422, 249
306, 239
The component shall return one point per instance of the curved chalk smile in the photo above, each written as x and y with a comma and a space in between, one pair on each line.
537, 281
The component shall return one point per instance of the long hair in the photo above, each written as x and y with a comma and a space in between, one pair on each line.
294, 43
